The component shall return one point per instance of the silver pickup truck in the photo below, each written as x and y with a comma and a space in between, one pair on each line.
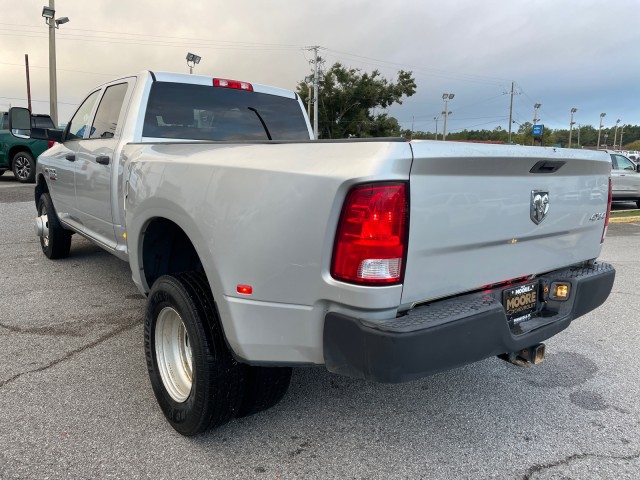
260, 248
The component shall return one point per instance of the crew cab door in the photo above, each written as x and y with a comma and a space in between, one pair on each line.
95, 162
60, 167
625, 180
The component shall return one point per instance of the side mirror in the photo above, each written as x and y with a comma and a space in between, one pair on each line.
20, 121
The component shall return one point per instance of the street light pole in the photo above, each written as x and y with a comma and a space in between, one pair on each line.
192, 61
536, 106
615, 136
571, 124
602, 115
436, 119
621, 132
446, 97
49, 14
53, 79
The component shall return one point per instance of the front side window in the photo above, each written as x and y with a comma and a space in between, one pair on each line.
201, 112
106, 121
624, 163
80, 121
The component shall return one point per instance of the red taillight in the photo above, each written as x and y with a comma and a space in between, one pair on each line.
235, 84
371, 239
51, 143
606, 220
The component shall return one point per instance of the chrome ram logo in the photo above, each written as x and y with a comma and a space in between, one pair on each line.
539, 205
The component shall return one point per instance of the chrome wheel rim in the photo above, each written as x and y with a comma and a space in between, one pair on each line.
22, 167
44, 239
173, 354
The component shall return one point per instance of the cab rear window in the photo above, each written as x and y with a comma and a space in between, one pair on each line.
201, 112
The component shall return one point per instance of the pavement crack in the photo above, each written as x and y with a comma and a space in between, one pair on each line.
69, 355
577, 456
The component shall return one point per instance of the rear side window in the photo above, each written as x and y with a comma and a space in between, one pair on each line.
106, 121
201, 112
4, 122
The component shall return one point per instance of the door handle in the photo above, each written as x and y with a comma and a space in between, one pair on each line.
71, 157
103, 159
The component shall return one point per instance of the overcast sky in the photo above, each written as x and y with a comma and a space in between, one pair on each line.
560, 53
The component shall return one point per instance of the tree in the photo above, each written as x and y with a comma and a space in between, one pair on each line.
347, 100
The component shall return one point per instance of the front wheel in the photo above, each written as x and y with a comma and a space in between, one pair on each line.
195, 379
55, 240
24, 167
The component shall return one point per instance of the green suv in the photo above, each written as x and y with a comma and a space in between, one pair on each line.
19, 152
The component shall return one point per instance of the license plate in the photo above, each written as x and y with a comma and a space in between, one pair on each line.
519, 302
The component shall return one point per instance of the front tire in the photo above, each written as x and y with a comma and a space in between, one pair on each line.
195, 379
24, 167
56, 240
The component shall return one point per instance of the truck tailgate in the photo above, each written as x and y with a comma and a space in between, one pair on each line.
471, 220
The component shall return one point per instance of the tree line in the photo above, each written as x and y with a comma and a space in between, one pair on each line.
352, 103
585, 136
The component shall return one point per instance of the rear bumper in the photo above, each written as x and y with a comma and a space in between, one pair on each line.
454, 332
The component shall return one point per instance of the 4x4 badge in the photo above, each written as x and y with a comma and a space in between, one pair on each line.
539, 205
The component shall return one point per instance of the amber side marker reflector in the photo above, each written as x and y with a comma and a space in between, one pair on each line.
560, 291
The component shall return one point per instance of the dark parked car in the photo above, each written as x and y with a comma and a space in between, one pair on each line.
19, 153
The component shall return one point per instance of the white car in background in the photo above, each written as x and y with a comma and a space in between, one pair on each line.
625, 179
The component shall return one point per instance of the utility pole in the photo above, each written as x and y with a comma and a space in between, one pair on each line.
436, 119
511, 112
316, 61
579, 128
571, 124
26, 64
621, 132
615, 136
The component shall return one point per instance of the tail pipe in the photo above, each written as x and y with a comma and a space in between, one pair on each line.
526, 357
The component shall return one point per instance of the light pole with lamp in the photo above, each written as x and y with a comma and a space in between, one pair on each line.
621, 132
446, 97
436, 119
602, 115
536, 106
192, 61
615, 136
49, 14
571, 124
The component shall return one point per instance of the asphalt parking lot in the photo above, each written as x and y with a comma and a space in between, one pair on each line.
75, 400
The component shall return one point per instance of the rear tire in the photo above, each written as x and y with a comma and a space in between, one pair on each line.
265, 387
56, 241
196, 381
24, 167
